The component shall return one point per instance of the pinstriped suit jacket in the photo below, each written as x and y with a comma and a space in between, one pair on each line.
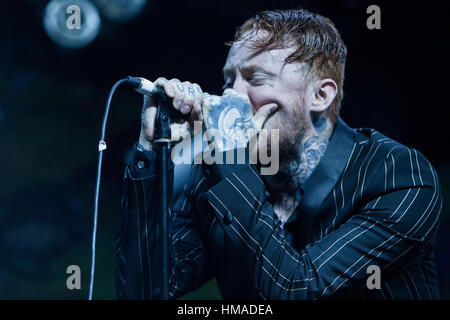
370, 201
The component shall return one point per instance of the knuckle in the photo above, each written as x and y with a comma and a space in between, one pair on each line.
179, 95
177, 103
197, 88
175, 82
178, 86
185, 109
189, 99
189, 88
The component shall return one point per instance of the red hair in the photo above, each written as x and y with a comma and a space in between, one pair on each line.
317, 42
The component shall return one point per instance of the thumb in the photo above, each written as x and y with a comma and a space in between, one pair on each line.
263, 113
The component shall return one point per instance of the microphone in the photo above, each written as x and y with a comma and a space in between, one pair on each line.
144, 86
148, 88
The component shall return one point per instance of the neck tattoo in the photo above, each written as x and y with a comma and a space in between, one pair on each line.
285, 185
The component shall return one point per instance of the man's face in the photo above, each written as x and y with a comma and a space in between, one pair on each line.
267, 79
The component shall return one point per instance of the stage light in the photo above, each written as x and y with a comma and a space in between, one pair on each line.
71, 23
121, 10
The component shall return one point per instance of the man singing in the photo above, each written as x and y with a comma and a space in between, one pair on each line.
343, 202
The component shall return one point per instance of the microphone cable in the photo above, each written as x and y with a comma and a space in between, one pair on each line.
101, 148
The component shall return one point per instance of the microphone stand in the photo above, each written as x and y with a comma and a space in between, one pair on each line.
164, 116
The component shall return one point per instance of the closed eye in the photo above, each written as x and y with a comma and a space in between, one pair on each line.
256, 81
256, 78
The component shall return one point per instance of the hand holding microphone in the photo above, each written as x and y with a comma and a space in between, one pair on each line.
186, 98
228, 118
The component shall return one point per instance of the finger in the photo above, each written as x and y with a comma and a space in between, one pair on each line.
164, 83
178, 91
179, 131
160, 81
189, 98
196, 118
197, 108
196, 113
198, 92
167, 85
263, 113
148, 115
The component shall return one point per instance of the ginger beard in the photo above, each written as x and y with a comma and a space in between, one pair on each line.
292, 122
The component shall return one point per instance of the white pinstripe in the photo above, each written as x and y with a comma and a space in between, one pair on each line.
257, 243
407, 286
389, 289
410, 204
419, 265
359, 174
256, 256
262, 212
181, 238
412, 168
414, 285
404, 252
347, 242
190, 252
393, 172
335, 216
434, 195
418, 167
345, 170
345, 272
368, 163
270, 227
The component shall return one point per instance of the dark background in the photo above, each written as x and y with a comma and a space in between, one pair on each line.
52, 101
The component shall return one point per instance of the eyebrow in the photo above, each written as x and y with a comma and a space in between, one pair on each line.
247, 67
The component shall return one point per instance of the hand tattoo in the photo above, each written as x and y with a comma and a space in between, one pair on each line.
144, 122
230, 117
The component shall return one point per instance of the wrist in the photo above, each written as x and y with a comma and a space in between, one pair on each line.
144, 145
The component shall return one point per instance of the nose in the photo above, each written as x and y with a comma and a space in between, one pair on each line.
240, 86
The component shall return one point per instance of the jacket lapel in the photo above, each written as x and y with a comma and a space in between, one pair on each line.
324, 177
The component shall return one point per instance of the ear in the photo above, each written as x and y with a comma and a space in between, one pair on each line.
325, 91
